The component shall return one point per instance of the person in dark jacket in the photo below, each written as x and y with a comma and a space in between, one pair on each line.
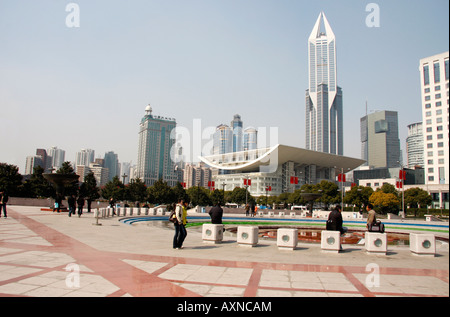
80, 203
71, 201
335, 221
216, 214
3, 201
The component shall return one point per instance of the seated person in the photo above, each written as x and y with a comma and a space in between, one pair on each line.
371, 219
335, 221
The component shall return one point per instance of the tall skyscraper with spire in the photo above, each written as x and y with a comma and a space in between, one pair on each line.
324, 113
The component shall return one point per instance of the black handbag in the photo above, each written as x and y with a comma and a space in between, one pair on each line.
173, 217
376, 226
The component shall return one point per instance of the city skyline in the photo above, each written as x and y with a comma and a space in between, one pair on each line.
86, 87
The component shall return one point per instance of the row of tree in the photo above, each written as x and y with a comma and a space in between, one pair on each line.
385, 199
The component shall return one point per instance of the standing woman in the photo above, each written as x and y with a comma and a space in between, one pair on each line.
180, 225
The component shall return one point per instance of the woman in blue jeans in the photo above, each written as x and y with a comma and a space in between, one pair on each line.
180, 225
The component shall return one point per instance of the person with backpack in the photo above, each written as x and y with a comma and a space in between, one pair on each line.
180, 225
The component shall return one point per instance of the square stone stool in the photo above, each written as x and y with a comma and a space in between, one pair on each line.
287, 238
422, 244
212, 233
331, 241
376, 242
247, 236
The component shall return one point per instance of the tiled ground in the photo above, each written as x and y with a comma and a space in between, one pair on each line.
37, 260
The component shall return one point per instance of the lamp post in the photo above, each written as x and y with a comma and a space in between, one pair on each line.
402, 176
223, 192
247, 183
268, 189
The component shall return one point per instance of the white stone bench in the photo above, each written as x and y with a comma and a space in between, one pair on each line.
376, 243
422, 244
212, 233
247, 236
287, 238
331, 241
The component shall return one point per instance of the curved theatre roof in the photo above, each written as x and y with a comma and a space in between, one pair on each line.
253, 160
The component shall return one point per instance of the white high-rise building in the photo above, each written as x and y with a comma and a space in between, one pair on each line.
32, 162
414, 145
250, 139
58, 157
434, 79
84, 158
324, 114
223, 139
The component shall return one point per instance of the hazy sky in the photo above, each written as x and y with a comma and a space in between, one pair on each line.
87, 87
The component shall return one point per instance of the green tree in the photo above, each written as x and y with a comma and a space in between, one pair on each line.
136, 191
359, 196
296, 198
180, 192
161, 193
89, 189
329, 191
113, 189
389, 189
38, 185
199, 196
238, 195
66, 168
416, 197
283, 198
217, 196
10, 179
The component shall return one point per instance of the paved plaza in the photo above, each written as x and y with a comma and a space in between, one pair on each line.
46, 254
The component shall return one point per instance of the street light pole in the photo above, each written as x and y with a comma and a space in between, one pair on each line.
223, 191
342, 187
402, 178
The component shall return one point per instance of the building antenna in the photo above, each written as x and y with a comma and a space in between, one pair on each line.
366, 107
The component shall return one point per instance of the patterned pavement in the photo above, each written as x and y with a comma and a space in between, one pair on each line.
45, 254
